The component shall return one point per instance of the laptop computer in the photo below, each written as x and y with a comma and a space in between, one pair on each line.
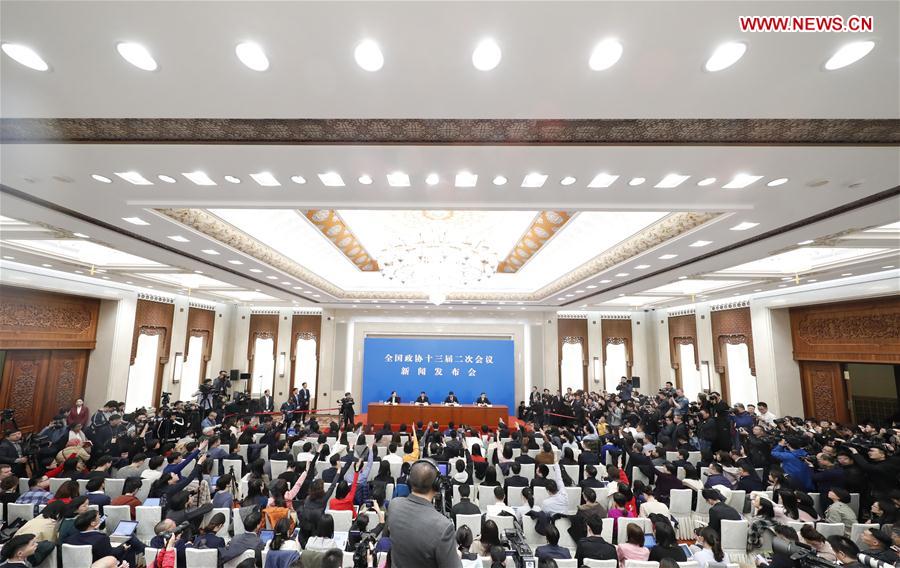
688, 553
125, 529
152, 502
266, 536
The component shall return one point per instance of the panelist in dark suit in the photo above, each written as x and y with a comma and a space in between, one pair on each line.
394, 398
266, 402
483, 400
303, 398
423, 398
451, 399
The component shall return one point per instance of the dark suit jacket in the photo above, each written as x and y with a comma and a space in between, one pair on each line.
99, 543
266, 404
464, 507
594, 547
99, 499
394, 399
515, 481
591, 482
721, 512
525, 458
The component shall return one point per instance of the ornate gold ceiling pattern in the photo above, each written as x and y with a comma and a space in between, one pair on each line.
668, 228
330, 223
545, 225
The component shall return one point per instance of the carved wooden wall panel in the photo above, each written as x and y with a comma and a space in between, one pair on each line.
682, 331
731, 327
824, 391
201, 323
307, 326
866, 331
576, 329
154, 318
38, 383
34, 319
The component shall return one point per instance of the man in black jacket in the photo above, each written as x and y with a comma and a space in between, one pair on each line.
89, 534
465, 506
515, 480
590, 478
718, 510
594, 546
11, 453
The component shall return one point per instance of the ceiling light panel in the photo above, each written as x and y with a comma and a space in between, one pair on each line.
265, 179
331, 179
634, 182
487, 55
137, 55
849, 54
466, 179
725, 56
746, 225
368, 56
252, 55
534, 179
135, 220
602, 180
134, 178
25, 55
101, 179
398, 179
701, 243
605, 54
741, 181
199, 178
671, 181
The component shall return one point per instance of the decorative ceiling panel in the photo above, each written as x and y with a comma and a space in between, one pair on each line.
334, 228
542, 229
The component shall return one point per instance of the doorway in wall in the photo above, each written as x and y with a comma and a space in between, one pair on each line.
874, 390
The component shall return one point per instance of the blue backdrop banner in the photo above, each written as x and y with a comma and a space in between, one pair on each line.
467, 367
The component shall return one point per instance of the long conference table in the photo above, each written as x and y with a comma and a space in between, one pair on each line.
379, 413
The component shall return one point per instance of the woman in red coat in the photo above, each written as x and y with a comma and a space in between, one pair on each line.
78, 414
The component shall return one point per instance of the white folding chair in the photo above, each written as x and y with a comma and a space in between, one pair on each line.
55, 483
540, 493
150, 555
734, 539
144, 491
701, 512
147, 517
113, 487
817, 500
641, 564
280, 466
693, 458
642, 522
114, 515
638, 475
485, 498
19, 511
569, 562
237, 521
565, 539
859, 528
680, 508
49, 561
236, 464
242, 451
347, 560
342, 520
395, 470
201, 557
854, 503
574, 494
77, 555
514, 496
528, 470
82, 486
828, 529
223, 532
233, 563
503, 522
528, 528
591, 563
672, 456
689, 564
607, 531
679, 473
471, 521
736, 500
797, 525
573, 471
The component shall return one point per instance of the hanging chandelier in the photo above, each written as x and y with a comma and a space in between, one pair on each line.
437, 265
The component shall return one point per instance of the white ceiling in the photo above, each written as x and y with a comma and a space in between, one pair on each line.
428, 73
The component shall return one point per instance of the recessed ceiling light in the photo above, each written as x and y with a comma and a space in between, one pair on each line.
129, 282
25, 55
782, 285
605, 55
605, 281
642, 266
667, 256
602, 180
777, 182
255, 270
47, 265
7, 257
758, 290
621, 275
569, 295
232, 179
486, 55
534, 179
285, 283
466, 179
137, 55
700, 243
135, 220
272, 277
106, 277
298, 179
165, 178
500, 180
888, 266
149, 286
806, 242
432, 179
236, 262
560, 299
198, 272
316, 295
368, 55
210, 251
398, 179
568, 180
741, 181
331, 179
134, 178
634, 182
726, 55
671, 180
179, 239
744, 226
81, 235
682, 277
100, 178
297, 288
847, 274
265, 179
812, 280
849, 54
706, 181
579, 291
199, 178
590, 286
252, 55
787, 278
365, 179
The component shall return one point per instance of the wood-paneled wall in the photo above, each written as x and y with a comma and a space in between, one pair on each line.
734, 327
573, 330
308, 326
201, 323
154, 318
617, 331
682, 331
866, 331
49, 337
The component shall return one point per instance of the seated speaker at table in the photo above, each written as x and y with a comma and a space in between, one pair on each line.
483, 400
451, 399
422, 399
394, 398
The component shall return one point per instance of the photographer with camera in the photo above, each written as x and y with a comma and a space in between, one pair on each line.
11, 452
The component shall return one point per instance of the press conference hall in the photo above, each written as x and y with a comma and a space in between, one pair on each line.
415, 284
